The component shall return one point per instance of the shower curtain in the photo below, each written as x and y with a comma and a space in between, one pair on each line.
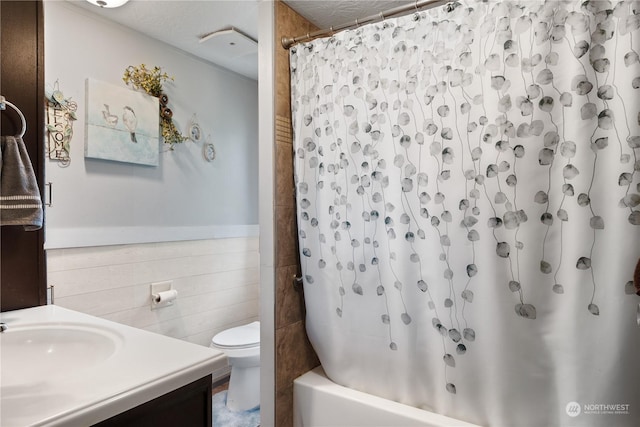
468, 185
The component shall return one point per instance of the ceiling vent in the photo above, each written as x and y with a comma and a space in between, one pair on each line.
230, 42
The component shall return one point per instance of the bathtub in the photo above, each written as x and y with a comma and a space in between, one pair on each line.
319, 402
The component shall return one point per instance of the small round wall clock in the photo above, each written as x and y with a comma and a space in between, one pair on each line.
195, 132
209, 152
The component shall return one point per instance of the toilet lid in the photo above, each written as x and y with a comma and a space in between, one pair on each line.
240, 336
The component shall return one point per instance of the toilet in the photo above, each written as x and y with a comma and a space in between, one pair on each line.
242, 347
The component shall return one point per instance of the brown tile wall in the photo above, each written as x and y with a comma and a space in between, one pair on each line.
294, 355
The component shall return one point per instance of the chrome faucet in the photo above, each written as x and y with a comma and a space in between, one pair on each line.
3, 327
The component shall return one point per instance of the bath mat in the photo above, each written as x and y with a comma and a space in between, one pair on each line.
223, 417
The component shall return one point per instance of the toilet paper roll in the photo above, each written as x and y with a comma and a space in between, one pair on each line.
165, 296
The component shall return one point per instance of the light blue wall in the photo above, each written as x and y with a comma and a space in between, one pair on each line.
102, 202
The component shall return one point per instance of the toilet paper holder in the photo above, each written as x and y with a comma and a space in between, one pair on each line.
162, 294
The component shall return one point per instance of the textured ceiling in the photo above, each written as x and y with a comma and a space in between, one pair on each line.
181, 23
327, 13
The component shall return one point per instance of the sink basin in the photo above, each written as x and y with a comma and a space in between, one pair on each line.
60, 367
40, 352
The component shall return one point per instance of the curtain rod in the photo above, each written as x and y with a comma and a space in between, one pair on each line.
287, 42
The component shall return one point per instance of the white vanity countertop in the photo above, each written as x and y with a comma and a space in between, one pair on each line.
102, 368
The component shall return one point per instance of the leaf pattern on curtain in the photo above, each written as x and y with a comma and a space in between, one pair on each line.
480, 145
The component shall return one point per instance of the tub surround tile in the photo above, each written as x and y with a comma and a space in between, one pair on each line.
290, 300
286, 236
288, 24
285, 190
283, 88
294, 354
284, 401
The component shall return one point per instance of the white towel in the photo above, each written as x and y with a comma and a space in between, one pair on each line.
20, 202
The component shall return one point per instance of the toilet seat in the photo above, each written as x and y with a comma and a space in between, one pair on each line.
246, 336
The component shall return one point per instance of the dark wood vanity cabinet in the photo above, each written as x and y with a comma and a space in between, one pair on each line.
22, 258
188, 406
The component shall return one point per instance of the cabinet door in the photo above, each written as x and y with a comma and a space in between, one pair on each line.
22, 258
188, 406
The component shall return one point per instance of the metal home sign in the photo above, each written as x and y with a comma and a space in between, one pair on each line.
60, 117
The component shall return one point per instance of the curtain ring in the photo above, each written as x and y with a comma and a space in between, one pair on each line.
331, 29
416, 6
381, 16
357, 23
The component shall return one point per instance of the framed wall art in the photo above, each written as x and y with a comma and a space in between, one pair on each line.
121, 124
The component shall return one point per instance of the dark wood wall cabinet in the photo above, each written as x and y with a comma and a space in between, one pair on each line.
22, 258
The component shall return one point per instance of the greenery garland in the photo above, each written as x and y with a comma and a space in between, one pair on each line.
151, 81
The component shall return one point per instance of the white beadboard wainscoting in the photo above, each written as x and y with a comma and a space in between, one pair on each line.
217, 282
